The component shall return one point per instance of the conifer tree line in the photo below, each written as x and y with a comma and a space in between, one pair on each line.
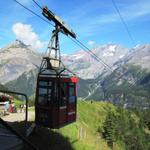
131, 128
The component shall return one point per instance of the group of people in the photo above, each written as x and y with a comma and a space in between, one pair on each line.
10, 107
7, 105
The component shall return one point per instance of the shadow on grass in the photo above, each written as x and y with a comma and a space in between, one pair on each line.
44, 139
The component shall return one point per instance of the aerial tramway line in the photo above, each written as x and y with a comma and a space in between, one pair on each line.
56, 98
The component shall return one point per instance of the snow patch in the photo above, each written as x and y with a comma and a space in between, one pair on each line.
121, 56
110, 51
108, 54
78, 56
112, 48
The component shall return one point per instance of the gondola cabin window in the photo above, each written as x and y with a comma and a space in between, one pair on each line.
45, 92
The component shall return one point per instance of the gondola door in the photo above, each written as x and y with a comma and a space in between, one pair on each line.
72, 100
63, 103
46, 107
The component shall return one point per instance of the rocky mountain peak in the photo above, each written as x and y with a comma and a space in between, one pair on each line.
19, 43
15, 59
18, 46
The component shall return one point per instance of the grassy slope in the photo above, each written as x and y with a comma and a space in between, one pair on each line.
83, 134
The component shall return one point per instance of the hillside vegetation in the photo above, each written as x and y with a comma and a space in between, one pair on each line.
103, 126
84, 133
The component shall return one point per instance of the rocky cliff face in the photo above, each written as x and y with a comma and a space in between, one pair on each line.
16, 59
140, 55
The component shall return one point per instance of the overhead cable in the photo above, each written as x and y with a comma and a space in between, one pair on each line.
123, 22
37, 4
33, 12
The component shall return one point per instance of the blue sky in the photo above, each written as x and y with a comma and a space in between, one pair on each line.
95, 22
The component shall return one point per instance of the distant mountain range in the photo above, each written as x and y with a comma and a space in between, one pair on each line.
87, 67
19, 67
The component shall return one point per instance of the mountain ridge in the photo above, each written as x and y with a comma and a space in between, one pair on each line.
19, 64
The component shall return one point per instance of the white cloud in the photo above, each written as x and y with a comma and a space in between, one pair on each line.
24, 32
91, 43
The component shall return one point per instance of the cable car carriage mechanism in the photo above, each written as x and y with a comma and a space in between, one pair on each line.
56, 97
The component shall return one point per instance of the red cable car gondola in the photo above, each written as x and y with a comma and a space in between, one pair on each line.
55, 100
56, 97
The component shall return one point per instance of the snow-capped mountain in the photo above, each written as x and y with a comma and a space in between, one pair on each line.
87, 67
126, 88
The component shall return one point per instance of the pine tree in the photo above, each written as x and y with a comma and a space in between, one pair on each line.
109, 129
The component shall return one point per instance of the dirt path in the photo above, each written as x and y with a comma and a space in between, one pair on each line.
12, 117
